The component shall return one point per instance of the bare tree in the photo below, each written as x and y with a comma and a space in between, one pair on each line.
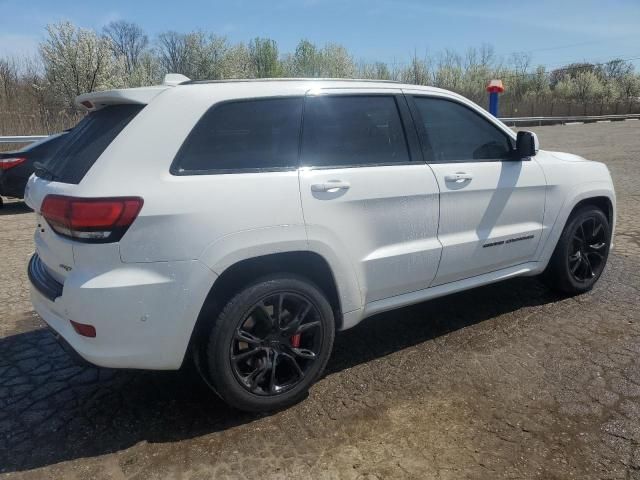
616, 69
375, 71
128, 41
8, 77
571, 71
172, 52
449, 73
629, 85
486, 55
417, 72
518, 81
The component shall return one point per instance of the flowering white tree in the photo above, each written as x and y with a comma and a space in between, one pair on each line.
564, 90
586, 88
77, 60
336, 62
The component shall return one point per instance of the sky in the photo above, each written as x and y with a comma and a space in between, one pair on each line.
552, 32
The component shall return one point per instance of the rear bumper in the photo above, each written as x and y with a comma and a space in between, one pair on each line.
11, 186
143, 313
42, 280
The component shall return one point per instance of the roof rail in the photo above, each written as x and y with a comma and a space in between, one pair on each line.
279, 79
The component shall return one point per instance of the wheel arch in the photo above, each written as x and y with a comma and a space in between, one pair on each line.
304, 263
602, 202
599, 194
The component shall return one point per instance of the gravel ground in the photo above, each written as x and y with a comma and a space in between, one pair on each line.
505, 381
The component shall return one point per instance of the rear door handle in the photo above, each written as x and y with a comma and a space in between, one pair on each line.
330, 186
459, 177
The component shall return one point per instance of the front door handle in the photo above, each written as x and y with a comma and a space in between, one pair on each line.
459, 177
330, 186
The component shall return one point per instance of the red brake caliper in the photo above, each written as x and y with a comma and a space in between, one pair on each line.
295, 340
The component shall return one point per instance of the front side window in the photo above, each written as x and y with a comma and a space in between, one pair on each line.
243, 135
455, 133
352, 130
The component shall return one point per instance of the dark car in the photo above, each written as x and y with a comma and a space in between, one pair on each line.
16, 167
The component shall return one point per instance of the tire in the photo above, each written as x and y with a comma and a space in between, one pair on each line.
258, 360
581, 253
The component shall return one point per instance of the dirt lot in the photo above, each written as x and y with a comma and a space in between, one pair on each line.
506, 381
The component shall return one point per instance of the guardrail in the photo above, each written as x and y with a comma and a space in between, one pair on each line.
532, 121
22, 138
511, 121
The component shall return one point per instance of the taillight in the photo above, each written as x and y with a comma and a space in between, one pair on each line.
92, 220
7, 163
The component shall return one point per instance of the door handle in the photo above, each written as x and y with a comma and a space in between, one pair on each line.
459, 177
330, 186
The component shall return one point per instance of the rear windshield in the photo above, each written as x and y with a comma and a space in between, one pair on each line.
81, 147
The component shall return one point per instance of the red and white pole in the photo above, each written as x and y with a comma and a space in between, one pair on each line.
494, 88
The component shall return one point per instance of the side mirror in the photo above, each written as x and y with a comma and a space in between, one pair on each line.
527, 144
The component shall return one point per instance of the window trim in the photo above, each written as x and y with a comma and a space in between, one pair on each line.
413, 146
424, 138
174, 169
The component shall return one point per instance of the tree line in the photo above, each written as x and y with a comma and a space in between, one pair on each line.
36, 94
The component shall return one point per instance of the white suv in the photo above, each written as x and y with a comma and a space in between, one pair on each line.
242, 223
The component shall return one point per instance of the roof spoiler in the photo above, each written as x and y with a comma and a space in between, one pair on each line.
141, 95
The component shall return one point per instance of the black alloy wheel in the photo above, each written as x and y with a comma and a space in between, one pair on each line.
276, 344
269, 343
588, 247
581, 252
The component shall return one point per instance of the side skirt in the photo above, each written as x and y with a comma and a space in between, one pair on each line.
411, 298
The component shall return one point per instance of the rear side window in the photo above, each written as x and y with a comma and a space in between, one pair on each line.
248, 135
72, 157
352, 130
455, 133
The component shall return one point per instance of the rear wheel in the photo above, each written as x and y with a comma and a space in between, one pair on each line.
581, 253
269, 344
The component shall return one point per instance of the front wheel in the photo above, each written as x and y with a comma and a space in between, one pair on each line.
581, 253
270, 343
